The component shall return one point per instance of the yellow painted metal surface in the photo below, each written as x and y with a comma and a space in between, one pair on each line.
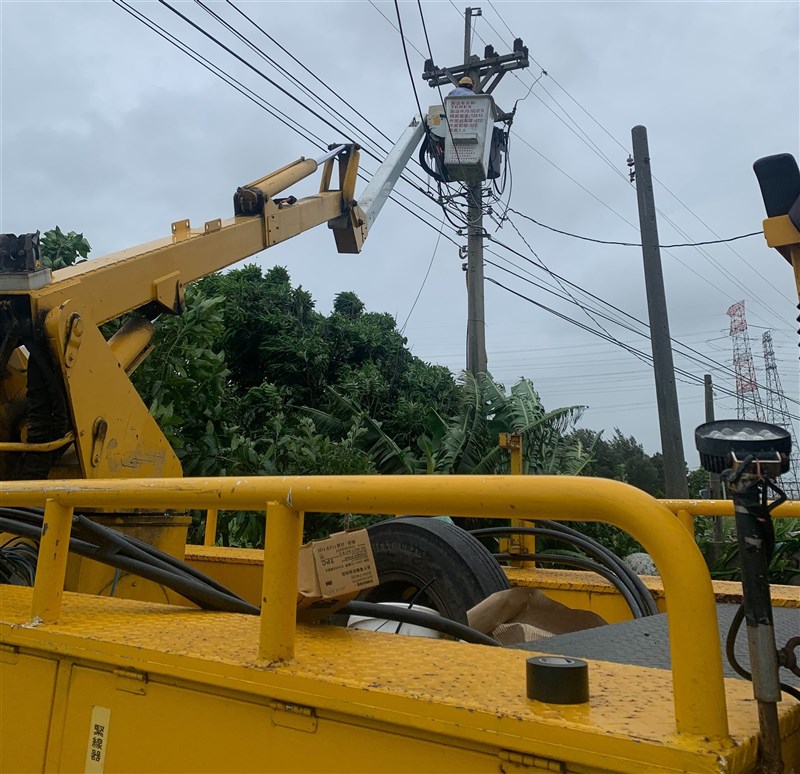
697, 664
190, 684
284, 535
788, 510
51, 564
27, 688
117, 436
210, 532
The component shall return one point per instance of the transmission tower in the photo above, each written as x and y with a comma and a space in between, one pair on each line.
776, 411
748, 399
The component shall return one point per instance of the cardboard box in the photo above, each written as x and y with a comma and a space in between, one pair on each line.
333, 571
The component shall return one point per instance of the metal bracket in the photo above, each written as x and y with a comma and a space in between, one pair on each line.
99, 432
131, 682
295, 716
181, 229
74, 338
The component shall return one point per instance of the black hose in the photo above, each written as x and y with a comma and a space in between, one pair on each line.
34, 516
585, 564
419, 618
137, 550
644, 592
589, 546
192, 589
730, 653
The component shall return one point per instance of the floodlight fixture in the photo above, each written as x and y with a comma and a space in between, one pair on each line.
724, 443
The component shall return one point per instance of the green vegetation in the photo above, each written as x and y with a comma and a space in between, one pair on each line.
59, 250
252, 380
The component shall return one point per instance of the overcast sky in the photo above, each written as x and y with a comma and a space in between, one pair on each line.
110, 130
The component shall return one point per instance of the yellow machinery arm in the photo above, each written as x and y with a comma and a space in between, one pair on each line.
67, 406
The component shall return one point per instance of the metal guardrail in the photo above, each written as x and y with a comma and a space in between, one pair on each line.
711, 508
698, 690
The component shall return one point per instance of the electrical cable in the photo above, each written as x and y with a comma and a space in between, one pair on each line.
705, 361
424, 279
203, 592
408, 62
419, 618
219, 73
698, 245
310, 72
638, 591
631, 244
690, 243
286, 121
581, 564
394, 27
601, 335
563, 287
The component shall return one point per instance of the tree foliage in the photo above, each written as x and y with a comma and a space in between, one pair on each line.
624, 459
253, 380
59, 250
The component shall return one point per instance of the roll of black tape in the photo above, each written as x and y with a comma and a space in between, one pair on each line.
557, 679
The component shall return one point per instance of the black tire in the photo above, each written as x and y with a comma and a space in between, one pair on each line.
434, 563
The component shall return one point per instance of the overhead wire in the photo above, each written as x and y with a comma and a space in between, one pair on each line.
693, 377
259, 101
275, 112
691, 352
425, 278
440, 229
564, 287
631, 244
690, 242
408, 61
319, 80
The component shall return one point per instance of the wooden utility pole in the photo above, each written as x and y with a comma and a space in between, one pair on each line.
675, 483
486, 73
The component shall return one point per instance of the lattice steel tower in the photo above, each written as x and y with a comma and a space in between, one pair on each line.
748, 399
776, 411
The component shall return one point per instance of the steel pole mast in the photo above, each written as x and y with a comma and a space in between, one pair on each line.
675, 482
476, 320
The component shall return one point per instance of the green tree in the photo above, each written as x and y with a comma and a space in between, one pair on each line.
623, 459
59, 250
467, 440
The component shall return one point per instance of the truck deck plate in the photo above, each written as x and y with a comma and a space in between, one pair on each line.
463, 698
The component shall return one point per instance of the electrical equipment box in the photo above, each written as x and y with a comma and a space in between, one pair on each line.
468, 137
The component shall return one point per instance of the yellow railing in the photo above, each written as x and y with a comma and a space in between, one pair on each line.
710, 508
699, 695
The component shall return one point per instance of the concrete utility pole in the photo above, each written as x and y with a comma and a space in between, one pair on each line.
669, 420
477, 361
486, 73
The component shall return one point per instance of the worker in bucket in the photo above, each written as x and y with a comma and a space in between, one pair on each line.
465, 88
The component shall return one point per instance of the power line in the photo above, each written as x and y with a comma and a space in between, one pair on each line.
219, 73
256, 99
630, 244
728, 275
425, 278
594, 332
705, 361
312, 74
391, 23
408, 62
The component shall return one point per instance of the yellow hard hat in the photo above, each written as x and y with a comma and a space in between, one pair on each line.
466, 81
